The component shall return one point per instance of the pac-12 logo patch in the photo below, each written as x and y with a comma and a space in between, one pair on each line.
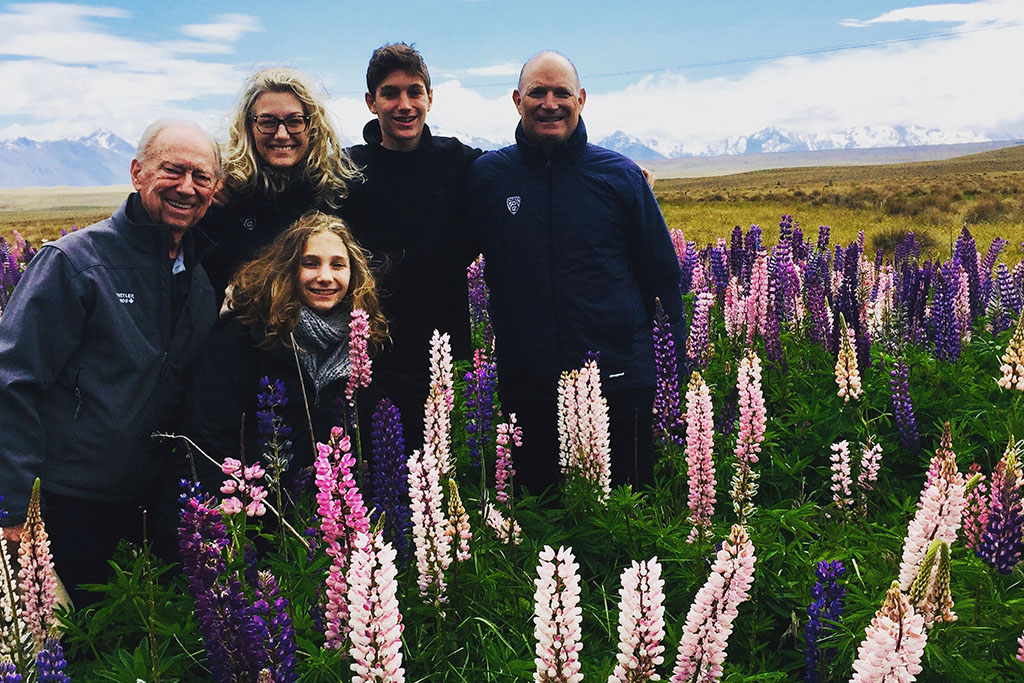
513, 204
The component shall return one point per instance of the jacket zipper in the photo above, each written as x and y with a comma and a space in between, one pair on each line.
78, 395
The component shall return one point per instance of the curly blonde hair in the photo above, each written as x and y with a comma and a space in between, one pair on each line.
265, 291
326, 167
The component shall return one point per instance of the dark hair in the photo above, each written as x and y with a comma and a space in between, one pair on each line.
265, 291
395, 57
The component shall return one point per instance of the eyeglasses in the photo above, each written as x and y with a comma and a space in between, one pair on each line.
267, 124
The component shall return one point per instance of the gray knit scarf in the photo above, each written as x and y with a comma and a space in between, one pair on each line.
323, 345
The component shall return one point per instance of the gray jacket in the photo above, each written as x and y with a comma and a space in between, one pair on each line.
91, 363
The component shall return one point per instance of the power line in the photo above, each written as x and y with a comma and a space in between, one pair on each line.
781, 55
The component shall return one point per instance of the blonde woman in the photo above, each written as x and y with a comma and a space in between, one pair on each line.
282, 158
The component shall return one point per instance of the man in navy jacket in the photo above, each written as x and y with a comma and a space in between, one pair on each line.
577, 252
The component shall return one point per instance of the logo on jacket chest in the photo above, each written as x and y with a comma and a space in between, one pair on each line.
513, 204
126, 297
249, 222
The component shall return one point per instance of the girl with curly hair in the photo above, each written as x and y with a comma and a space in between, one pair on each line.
289, 321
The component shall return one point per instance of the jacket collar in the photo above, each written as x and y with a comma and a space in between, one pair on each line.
563, 152
373, 136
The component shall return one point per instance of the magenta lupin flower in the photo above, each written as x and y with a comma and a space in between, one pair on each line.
757, 298
841, 481
342, 515
734, 310
242, 481
429, 525
437, 418
893, 643
962, 307
697, 347
509, 434
558, 618
700, 467
36, 578
358, 341
715, 607
1020, 648
641, 623
938, 518
458, 523
976, 509
584, 444
870, 463
375, 622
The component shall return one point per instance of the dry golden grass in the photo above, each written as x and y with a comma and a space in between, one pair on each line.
39, 214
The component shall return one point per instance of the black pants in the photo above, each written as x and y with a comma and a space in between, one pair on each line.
84, 534
629, 426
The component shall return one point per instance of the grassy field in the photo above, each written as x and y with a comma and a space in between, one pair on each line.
933, 199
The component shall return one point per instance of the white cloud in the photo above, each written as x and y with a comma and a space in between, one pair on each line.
229, 28
506, 69
969, 14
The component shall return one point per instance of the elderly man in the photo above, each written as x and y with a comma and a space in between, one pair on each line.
93, 346
407, 214
577, 251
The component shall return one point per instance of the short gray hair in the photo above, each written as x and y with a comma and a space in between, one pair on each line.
145, 147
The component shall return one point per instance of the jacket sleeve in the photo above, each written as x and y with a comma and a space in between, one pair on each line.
216, 400
40, 329
654, 256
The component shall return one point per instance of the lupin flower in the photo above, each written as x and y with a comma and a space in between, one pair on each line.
715, 607
342, 515
847, 374
938, 517
390, 476
667, 421
272, 430
841, 481
902, 408
375, 623
458, 523
753, 418
1013, 360
479, 406
823, 613
272, 608
509, 434
700, 466
8, 673
870, 462
1020, 649
962, 308
362, 369
1001, 543
944, 319
10, 605
757, 298
36, 578
976, 510
433, 547
558, 618
241, 480
479, 298
50, 662
437, 418
893, 643
585, 447
930, 594
508, 530
641, 623
734, 309
697, 348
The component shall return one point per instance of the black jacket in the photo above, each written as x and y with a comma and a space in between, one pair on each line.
224, 386
230, 235
91, 362
407, 214
577, 251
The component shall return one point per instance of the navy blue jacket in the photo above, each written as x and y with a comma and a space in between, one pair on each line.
576, 251
91, 362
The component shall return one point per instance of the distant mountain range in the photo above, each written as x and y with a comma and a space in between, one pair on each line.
103, 158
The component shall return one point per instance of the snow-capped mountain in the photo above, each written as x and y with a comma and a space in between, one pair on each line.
103, 158
98, 159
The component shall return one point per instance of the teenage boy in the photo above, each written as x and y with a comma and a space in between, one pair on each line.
407, 214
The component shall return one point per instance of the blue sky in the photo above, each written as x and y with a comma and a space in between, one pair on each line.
690, 72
